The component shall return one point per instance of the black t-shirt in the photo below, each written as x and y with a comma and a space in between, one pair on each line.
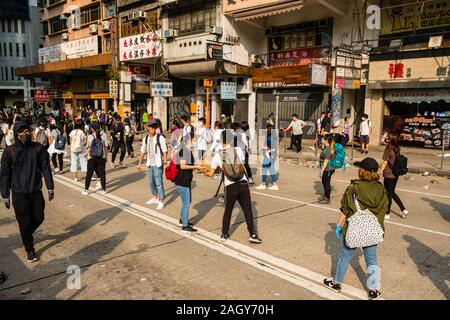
184, 177
326, 124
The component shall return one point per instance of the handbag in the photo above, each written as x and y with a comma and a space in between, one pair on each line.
363, 230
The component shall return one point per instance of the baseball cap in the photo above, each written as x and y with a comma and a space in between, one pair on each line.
152, 123
369, 164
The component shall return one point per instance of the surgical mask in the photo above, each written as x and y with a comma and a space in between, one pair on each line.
25, 138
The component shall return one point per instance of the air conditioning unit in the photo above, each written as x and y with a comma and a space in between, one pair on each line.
93, 29
138, 15
170, 34
217, 30
435, 42
105, 26
63, 17
65, 36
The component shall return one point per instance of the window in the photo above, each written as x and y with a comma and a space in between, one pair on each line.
22, 26
24, 50
12, 73
10, 50
9, 25
57, 25
107, 44
90, 14
17, 50
6, 73
1, 52
4, 49
129, 28
45, 27
16, 26
193, 19
3, 26
2, 74
109, 9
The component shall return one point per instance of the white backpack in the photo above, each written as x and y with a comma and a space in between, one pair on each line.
76, 145
363, 230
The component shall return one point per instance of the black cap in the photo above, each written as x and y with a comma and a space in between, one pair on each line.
369, 164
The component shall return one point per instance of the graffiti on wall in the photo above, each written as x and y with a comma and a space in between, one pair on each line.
178, 108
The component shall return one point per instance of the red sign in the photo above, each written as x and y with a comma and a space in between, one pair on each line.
41, 96
396, 70
137, 69
296, 57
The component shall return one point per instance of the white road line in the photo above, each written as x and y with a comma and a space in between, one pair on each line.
406, 190
280, 268
336, 210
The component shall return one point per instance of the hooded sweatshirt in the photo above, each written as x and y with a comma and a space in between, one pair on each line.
23, 165
371, 195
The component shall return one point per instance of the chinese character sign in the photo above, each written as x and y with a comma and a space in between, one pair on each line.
142, 46
161, 89
228, 90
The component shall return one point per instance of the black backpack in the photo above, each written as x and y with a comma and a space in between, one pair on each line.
400, 166
97, 148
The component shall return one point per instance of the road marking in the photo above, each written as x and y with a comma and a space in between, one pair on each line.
280, 268
336, 210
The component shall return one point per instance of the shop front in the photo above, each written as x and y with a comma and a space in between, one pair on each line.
410, 96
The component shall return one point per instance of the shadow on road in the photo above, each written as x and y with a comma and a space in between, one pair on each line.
442, 208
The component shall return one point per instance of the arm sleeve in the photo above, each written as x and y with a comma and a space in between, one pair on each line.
6, 173
46, 170
347, 205
163, 144
144, 145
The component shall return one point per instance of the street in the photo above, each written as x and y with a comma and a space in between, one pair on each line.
128, 250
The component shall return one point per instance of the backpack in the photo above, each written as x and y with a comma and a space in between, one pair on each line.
400, 166
41, 137
172, 170
339, 157
158, 144
77, 144
363, 230
60, 142
97, 148
232, 167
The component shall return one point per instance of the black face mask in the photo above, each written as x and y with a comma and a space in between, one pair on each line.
25, 138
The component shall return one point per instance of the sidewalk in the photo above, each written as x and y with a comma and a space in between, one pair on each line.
419, 160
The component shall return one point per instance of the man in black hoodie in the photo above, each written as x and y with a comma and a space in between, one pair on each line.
22, 166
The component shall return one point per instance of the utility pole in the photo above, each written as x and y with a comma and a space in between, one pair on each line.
114, 50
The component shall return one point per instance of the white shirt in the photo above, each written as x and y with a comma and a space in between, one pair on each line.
217, 163
201, 132
154, 156
187, 129
365, 127
80, 133
217, 140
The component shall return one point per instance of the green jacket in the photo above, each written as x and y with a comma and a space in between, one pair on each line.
371, 195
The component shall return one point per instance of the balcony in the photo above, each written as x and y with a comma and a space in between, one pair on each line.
254, 9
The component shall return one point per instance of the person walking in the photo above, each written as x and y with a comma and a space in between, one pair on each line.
217, 136
145, 119
9, 134
187, 128
23, 165
231, 161
325, 125
326, 169
346, 131
118, 135
77, 149
97, 154
368, 193
154, 148
246, 138
41, 134
202, 138
269, 152
130, 132
57, 148
390, 180
365, 130
68, 127
297, 126
175, 134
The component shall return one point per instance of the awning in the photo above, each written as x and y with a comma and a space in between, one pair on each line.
65, 65
417, 96
268, 11
192, 70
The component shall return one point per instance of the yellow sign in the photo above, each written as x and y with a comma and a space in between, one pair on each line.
208, 83
356, 84
417, 16
123, 109
100, 96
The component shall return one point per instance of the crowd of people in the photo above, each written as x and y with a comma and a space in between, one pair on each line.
223, 153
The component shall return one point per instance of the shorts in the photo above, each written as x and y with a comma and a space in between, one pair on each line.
364, 139
76, 158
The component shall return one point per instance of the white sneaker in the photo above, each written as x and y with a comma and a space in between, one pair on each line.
76, 180
152, 201
274, 187
122, 165
85, 193
103, 193
404, 213
160, 205
56, 171
387, 217
261, 187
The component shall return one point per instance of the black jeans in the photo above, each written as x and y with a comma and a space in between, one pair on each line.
129, 143
248, 169
296, 140
238, 191
326, 182
115, 150
390, 184
60, 160
29, 209
98, 166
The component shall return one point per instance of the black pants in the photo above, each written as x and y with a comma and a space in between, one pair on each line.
60, 160
116, 146
238, 191
247, 166
390, 184
201, 153
296, 141
29, 209
98, 166
326, 182
129, 143
68, 137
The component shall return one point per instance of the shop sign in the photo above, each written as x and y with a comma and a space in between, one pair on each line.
418, 95
414, 17
296, 57
141, 46
214, 51
318, 74
114, 88
100, 96
139, 73
228, 90
161, 89
69, 50
41, 96
232, 40
348, 68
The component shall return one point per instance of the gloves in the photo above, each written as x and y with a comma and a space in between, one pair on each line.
338, 232
51, 195
7, 202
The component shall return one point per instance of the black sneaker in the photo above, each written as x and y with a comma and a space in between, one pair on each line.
254, 239
336, 287
32, 257
224, 237
324, 201
374, 294
181, 223
188, 229
367, 152
3, 277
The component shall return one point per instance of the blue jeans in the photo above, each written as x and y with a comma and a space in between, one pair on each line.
185, 194
155, 180
268, 166
370, 256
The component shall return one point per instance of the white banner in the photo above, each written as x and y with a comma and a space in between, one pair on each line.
69, 50
141, 46
161, 89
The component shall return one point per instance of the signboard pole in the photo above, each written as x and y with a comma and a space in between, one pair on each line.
277, 107
445, 136
208, 109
